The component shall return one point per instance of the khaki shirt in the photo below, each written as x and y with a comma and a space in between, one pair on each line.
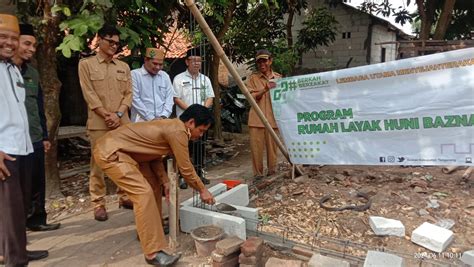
148, 141
256, 83
106, 85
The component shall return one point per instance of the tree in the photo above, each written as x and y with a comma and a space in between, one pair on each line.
448, 18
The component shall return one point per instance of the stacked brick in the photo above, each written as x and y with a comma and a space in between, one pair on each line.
251, 252
227, 252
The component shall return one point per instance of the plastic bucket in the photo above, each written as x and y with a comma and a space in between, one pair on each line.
231, 183
205, 239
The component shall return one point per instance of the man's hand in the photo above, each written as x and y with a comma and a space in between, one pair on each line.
207, 197
271, 84
112, 120
47, 146
4, 173
166, 188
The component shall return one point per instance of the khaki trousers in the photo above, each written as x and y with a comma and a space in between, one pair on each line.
97, 187
260, 139
125, 172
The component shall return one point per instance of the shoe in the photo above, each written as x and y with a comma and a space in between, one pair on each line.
205, 180
182, 183
44, 227
100, 214
34, 255
163, 259
126, 204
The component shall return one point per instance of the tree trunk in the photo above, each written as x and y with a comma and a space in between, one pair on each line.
444, 19
289, 27
214, 72
214, 76
46, 56
427, 13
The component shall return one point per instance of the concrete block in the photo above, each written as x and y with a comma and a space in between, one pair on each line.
384, 226
432, 237
252, 246
318, 260
250, 215
215, 191
191, 218
232, 262
238, 196
468, 257
377, 259
229, 245
276, 262
247, 265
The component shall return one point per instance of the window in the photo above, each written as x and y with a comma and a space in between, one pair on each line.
382, 55
346, 35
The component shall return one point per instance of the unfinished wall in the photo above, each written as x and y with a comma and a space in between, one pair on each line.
381, 34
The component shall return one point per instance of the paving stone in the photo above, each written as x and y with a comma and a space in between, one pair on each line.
468, 257
221, 258
251, 246
276, 262
384, 226
229, 245
378, 259
432, 237
318, 260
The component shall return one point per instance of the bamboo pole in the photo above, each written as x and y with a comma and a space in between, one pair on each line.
173, 206
220, 52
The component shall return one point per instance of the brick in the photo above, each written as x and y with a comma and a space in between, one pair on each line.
221, 258
252, 260
318, 260
229, 245
251, 246
384, 226
232, 262
377, 259
468, 257
275, 262
432, 237
303, 251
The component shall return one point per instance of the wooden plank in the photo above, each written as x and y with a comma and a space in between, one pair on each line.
173, 206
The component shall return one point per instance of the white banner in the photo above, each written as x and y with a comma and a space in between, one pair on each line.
417, 111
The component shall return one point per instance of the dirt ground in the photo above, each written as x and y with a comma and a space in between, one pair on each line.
412, 195
291, 208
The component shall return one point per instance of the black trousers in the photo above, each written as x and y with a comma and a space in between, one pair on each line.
14, 192
197, 150
36, 208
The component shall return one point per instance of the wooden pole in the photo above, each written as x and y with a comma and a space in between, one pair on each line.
173, 206
220, 52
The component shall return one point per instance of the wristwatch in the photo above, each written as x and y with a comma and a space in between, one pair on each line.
119, 114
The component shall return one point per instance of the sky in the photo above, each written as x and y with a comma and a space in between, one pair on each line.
395, 3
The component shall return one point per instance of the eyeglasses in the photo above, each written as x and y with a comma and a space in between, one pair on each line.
112, 42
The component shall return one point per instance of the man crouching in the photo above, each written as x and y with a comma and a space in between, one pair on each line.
122, 152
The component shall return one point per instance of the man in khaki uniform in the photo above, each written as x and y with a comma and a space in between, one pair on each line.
259, 85
132, 157
107, 89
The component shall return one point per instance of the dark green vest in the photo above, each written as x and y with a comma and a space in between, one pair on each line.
31, 79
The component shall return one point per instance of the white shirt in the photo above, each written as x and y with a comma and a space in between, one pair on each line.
191, 91
14, 131
152, 95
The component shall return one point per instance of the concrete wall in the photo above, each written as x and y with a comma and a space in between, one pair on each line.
381, 34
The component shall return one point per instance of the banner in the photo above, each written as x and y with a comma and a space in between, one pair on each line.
416, 111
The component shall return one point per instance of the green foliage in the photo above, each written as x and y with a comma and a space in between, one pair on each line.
138, 22
284, 58
319, 28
